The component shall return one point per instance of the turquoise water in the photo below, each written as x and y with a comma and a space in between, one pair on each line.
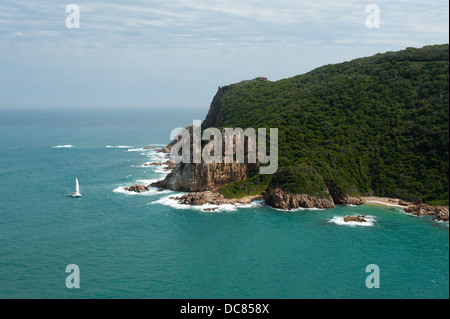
144, 246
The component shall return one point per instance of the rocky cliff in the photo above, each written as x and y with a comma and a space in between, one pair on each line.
334, 145
191, 177
278, 198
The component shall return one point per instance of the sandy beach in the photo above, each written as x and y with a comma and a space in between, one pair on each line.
386, 201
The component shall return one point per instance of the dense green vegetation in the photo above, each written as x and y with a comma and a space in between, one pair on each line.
373, 126
253, 185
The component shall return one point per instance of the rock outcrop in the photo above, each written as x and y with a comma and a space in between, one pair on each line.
442, 215
358, 218
278, 198
153, 164
192, 177
138, 188
339, 199
170, 165
166, 149
202, 198
441, 212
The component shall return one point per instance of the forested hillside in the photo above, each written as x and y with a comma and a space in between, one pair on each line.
372, 126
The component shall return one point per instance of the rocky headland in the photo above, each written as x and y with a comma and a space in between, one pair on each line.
441, 213
334, 147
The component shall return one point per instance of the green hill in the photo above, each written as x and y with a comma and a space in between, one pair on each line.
372, 126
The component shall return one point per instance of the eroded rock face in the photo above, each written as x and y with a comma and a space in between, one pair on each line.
358, 218
278, 198
191, 177
138, 188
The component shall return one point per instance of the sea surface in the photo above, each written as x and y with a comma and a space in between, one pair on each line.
148, 246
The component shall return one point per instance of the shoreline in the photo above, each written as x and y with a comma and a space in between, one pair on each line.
386, 201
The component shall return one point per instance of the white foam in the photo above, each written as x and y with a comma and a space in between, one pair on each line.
62, 146
441, 222
151, 191
339, 220
297, 209
162, 170
118, 146
146, 165
409, 214
140, 149
171, 202
147, 181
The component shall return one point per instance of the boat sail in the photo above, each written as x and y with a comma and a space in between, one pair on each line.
77, 189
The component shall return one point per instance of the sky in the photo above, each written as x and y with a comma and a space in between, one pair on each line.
176, 53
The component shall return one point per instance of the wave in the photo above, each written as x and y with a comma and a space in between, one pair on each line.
149, 192
162, 170
139, 149
339, 220
63, 146
147, 181
118, 146
297, 209
171, 202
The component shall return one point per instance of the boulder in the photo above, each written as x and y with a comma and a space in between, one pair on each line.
138, 188
358, 218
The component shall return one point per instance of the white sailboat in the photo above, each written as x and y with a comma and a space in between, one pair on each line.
77, 189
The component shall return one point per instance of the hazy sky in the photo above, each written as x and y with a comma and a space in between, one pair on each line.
175, 53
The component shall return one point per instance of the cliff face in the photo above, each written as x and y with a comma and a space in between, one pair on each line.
278, 198
191, 177
214, 115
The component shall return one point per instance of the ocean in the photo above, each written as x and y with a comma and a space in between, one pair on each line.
148, 246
